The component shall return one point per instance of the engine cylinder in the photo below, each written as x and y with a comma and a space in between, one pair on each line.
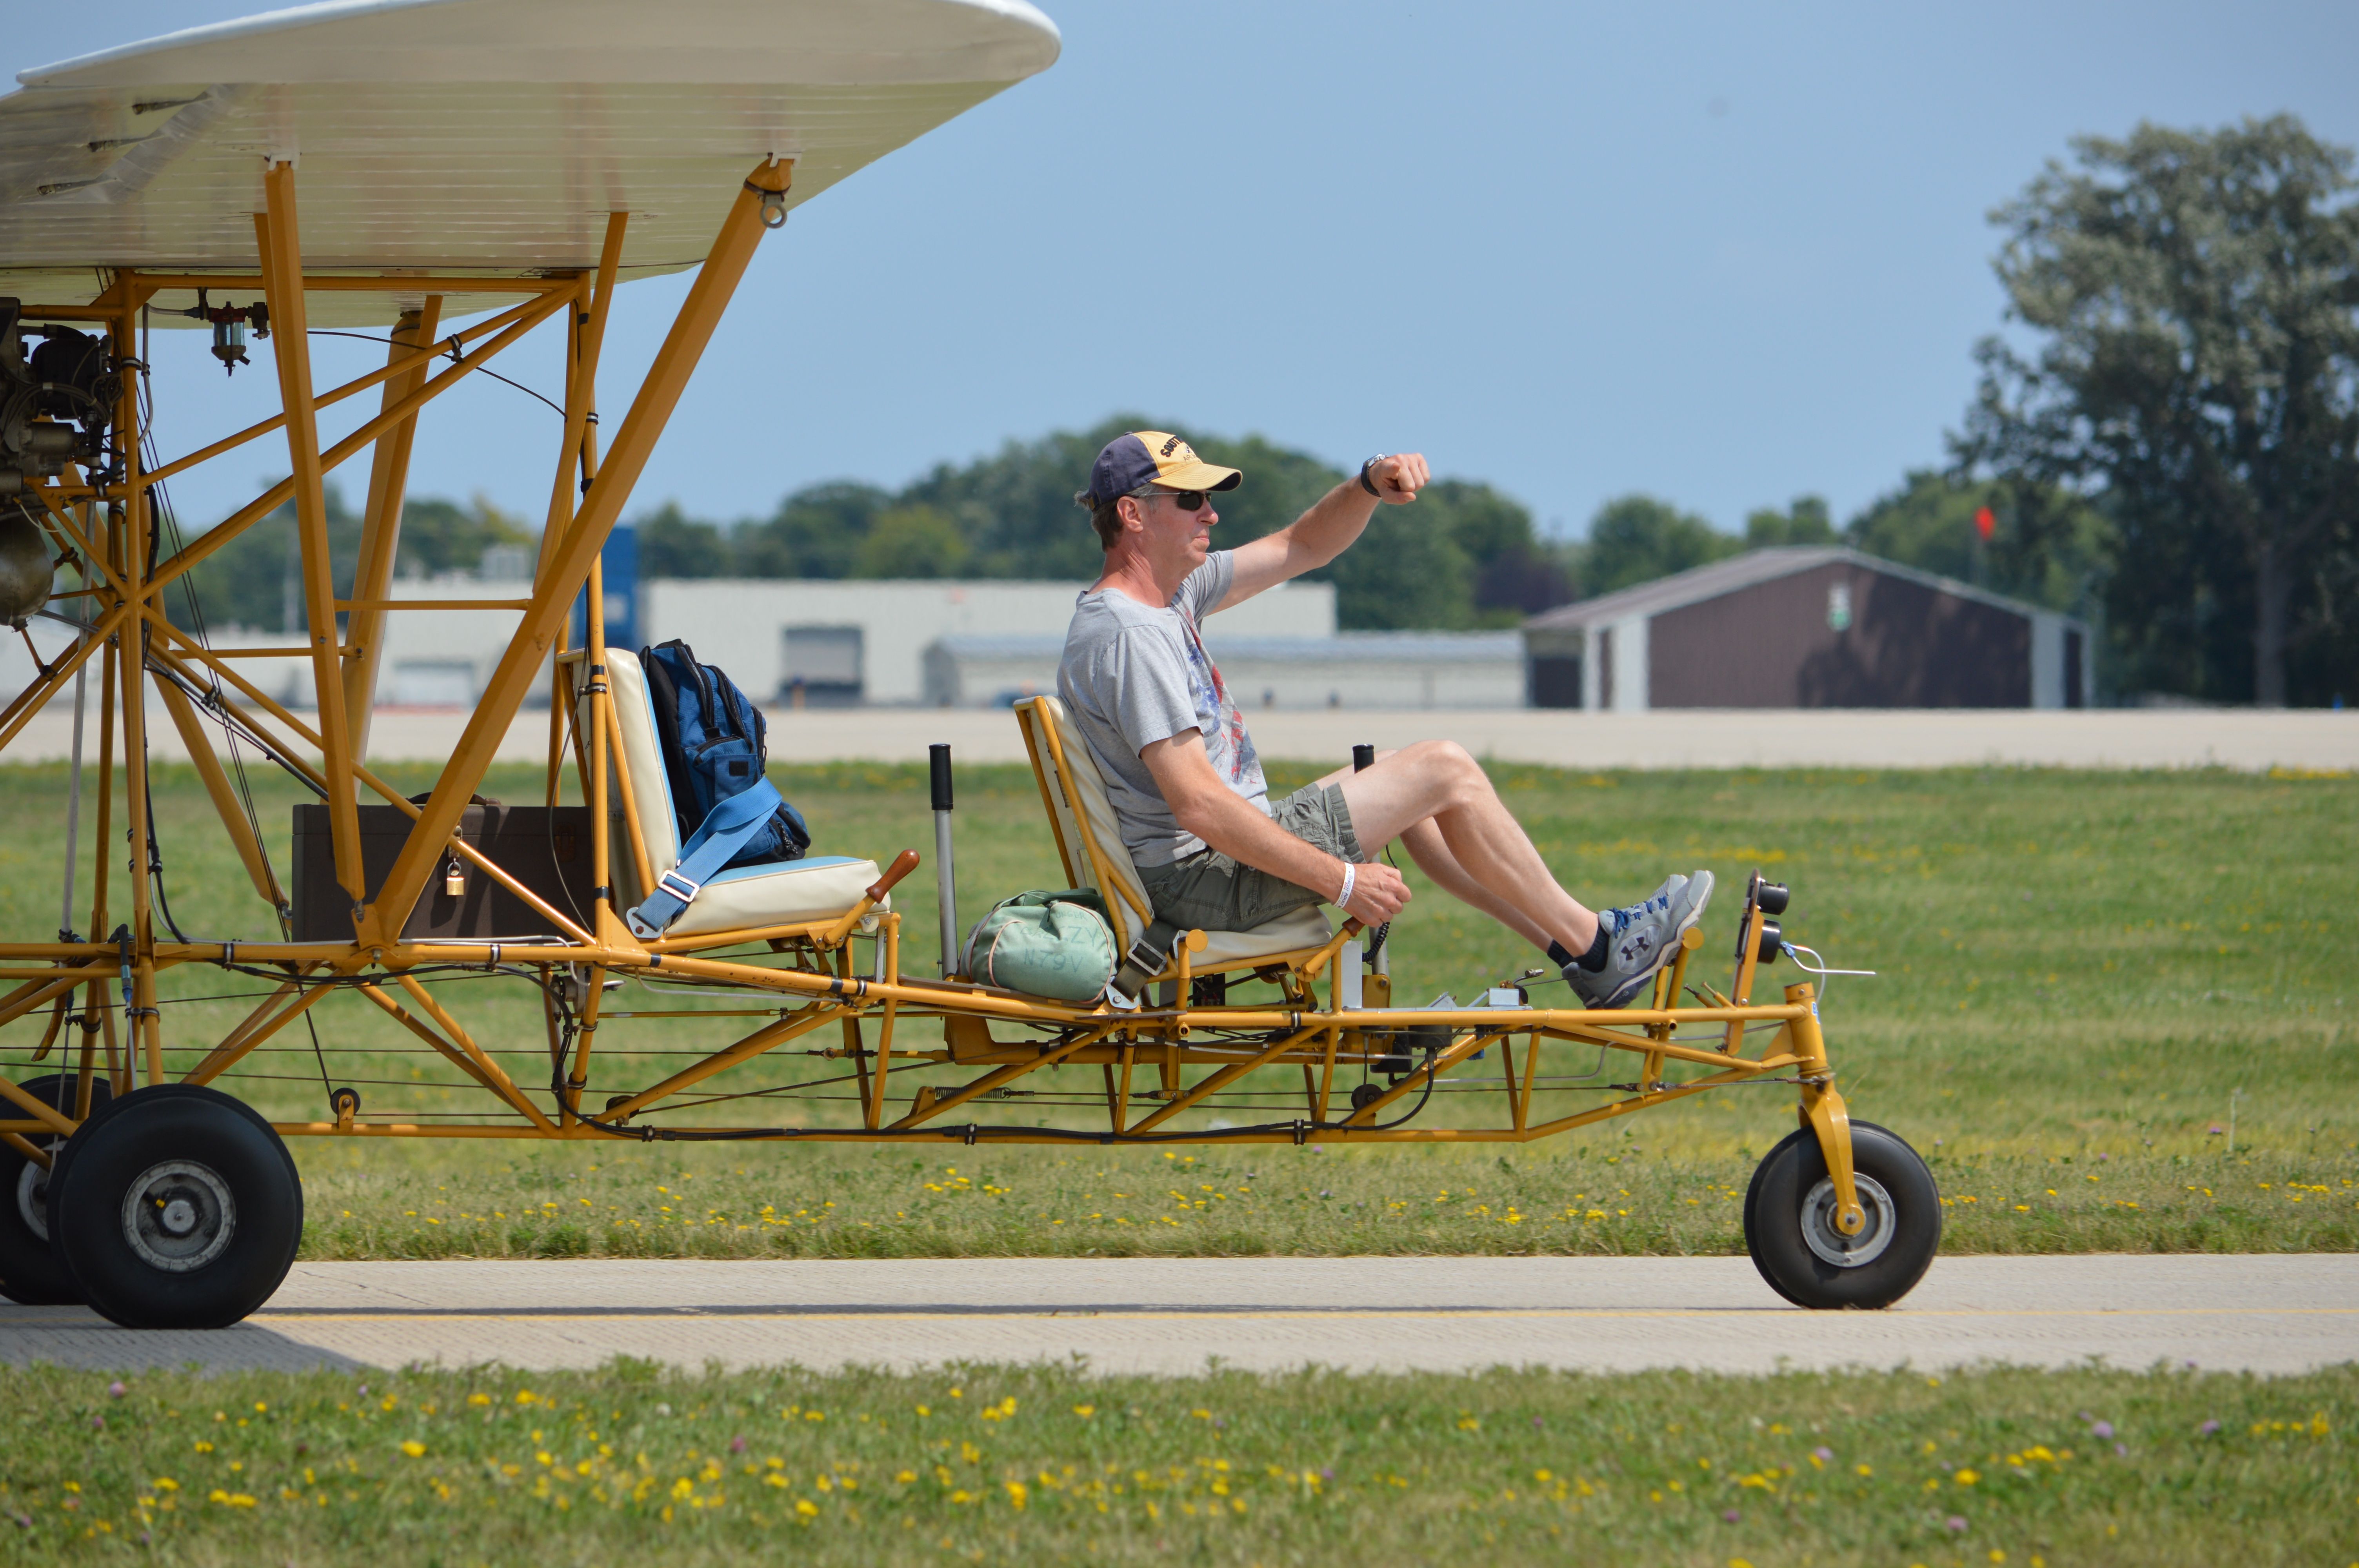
27, 574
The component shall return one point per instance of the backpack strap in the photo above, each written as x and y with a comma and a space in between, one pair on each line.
715, 842
663, 696
1144, 960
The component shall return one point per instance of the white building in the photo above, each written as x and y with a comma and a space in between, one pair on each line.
866, 641
1349, 670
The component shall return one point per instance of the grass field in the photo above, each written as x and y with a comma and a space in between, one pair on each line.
1043, 1464
2084, 981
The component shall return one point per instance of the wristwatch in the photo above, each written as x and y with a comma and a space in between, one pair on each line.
1365, 467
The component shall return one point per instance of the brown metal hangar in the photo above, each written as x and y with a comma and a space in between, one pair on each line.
1806, 626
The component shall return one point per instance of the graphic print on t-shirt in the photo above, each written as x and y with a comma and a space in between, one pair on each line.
1226, 744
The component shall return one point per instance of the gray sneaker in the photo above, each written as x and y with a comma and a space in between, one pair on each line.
1639, 940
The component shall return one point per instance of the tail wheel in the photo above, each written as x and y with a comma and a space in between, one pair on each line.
179, 1208
31, 1270
1790, 1222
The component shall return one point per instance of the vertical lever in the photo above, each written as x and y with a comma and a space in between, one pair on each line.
938, 758
1364, 757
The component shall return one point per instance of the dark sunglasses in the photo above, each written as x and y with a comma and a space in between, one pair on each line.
1185, 500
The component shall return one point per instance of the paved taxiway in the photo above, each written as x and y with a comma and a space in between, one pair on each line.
2263, 1314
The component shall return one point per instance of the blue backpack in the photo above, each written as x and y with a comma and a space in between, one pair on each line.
715, 746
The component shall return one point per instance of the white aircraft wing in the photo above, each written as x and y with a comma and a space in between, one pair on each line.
487, 137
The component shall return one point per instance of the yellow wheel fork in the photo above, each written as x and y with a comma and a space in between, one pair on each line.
1823, 1112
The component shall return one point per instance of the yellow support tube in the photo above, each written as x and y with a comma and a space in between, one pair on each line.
303, 735
568, 569
217, 785
1823, 1112
225, 532
498, 1080
753, 1046
399, 364
583, 343
145, 1022
282, 282
381, 526
274, 1014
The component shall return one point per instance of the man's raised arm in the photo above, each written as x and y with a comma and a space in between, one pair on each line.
1324, 532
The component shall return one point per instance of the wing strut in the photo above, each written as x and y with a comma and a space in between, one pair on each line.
568, 568
282, 282
381, 528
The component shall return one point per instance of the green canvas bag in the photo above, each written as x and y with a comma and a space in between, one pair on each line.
1055, 945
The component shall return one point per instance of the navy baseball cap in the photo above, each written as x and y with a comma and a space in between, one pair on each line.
1152, 457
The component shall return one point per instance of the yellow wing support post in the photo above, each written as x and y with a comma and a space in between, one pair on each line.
277, 238
567, 569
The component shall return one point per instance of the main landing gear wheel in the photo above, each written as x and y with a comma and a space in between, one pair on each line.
179, 1208
31, 1271
1790, 1221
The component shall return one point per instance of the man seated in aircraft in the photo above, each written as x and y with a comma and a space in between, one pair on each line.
1213, 851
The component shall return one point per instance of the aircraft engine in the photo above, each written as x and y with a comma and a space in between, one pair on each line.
56, 403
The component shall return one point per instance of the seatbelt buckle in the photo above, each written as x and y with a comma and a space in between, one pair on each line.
1139, 966
679, 886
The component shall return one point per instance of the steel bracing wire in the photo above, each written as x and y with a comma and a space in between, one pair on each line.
168, 522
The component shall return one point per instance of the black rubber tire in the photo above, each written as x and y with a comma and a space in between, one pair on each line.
235, 1154
1753, 1200
31, 1271
1774, 1221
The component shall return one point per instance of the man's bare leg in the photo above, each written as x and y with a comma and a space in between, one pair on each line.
1431, 852
1437, 800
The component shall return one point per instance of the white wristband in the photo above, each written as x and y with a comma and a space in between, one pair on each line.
1351, 875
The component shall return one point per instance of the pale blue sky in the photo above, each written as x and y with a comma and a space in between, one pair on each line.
1724, 253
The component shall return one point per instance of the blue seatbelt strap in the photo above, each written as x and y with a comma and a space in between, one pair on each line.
719, 837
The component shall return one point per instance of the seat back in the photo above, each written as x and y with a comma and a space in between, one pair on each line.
641, 754
1088, 839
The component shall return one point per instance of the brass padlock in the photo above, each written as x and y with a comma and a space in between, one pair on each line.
454, 878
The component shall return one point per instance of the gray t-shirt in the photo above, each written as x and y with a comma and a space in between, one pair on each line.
1134, 674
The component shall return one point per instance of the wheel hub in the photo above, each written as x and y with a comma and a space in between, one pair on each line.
33, 1199
179, 1215
1831, 1244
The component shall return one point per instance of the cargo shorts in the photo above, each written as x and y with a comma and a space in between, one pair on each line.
1210, 891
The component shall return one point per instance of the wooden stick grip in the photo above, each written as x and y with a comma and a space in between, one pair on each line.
903, 864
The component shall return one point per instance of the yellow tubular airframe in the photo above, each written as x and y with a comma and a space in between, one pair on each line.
1156, 1072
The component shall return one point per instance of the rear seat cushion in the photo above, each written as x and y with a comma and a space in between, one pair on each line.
818, 887
1287, 933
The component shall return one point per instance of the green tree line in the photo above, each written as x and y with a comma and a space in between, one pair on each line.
251, 581
1467, 555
